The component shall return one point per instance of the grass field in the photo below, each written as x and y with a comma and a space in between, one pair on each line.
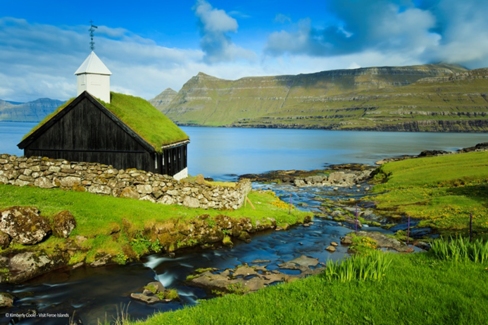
414, 289
116, 225
443, 191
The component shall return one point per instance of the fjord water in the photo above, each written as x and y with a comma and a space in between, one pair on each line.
223, 153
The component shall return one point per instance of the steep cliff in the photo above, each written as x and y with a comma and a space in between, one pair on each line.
435, 97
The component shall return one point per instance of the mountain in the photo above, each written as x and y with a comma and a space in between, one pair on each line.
33, 111
432, 97
162, 100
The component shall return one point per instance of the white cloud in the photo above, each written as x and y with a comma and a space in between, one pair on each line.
215, 26
427, 31
39, 60
463, 28
214, 20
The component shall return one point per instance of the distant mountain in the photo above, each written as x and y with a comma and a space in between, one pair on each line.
432, 97
162, 100
33, 111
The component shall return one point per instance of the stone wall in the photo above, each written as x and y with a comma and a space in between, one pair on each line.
106, 180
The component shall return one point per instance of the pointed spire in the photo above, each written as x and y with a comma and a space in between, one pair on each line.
94, 77
93, 64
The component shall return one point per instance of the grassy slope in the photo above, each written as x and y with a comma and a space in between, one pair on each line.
101, 218
417, 289
345, 102
442, 190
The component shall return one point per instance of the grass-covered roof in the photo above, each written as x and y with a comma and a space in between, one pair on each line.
145, 120
139, 115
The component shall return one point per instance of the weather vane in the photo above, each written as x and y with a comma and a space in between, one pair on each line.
92, 30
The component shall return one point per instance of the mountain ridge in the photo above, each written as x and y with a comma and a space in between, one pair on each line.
33, 111
376, 98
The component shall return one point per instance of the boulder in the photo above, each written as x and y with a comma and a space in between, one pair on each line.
336, 177
166, 199
299, 182
130, 193
346, 240
27, 265
300, 263
6, 300
70, 181
244, 236
191, 202
24, 225
63, 224
155, 292
144, 189
27, 260
430, 153
100, 189
330, 249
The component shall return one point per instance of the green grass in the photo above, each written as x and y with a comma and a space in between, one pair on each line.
364, 101
372, 266
137, 113
442, 190
416, 289
122, 227
145, 120
460, 249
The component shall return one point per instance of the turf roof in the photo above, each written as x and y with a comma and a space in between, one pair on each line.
140, 116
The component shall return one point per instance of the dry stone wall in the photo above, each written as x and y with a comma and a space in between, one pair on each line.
105, 180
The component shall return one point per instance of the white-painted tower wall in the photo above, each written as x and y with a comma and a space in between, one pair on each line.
94, 77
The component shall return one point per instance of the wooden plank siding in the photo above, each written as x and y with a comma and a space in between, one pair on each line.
174, 159
89, 132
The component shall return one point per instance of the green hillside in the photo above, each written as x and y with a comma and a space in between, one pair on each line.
416, 98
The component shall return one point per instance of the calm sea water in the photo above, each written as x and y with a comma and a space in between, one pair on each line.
222, 153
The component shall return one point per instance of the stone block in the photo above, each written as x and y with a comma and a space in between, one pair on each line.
43, 182
191, 202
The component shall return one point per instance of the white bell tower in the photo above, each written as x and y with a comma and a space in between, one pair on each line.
94, 77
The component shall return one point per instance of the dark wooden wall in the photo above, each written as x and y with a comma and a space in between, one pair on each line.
86, 133
174, 159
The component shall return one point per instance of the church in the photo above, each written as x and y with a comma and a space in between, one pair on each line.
110, 128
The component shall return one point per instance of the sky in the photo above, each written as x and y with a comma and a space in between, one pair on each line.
153, 45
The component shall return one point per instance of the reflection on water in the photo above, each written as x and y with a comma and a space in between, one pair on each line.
217, 152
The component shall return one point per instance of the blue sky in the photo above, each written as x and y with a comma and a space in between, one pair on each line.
152, 45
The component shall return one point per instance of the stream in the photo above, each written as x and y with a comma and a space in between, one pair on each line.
88, 295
